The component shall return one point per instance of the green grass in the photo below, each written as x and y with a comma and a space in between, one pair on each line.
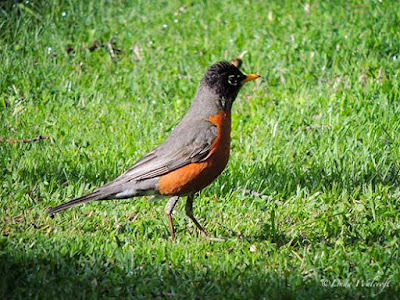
317, 137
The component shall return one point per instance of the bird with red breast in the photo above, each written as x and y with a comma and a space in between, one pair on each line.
194, 154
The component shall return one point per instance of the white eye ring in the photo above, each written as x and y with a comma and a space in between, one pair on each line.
232, 80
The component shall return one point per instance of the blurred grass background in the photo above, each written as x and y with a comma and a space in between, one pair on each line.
309, 204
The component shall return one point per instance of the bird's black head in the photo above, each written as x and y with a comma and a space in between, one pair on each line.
226, 80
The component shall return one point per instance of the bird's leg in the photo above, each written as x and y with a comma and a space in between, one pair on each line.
168, 210
189, 213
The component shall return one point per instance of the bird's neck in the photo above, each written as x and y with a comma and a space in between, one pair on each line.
206, 103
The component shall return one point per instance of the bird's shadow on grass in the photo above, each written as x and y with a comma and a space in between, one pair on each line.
62, 276
44, 276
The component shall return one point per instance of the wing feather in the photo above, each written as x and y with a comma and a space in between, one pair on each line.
185, 145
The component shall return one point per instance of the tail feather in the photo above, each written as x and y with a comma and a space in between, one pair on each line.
96, 195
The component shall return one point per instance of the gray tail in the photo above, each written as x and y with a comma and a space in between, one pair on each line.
96, 195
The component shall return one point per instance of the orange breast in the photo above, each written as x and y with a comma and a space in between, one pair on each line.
195, 176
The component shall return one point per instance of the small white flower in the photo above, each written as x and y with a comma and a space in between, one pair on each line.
49, 50
394, 57
175, 21
63, 14
165, 26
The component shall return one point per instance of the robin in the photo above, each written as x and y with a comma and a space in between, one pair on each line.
193, 155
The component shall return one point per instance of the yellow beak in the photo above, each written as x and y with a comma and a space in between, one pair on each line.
250, 77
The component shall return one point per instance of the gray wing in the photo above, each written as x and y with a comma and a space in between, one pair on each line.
185, 145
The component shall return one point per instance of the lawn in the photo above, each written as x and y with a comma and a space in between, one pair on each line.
309, 204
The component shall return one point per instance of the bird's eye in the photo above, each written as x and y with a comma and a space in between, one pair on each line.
232, 80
